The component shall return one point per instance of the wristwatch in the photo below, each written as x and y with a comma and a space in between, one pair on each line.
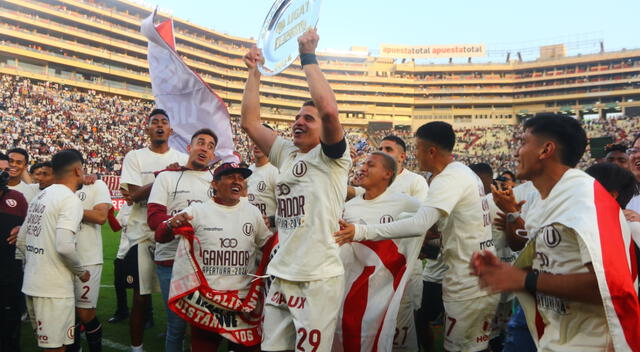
512, 217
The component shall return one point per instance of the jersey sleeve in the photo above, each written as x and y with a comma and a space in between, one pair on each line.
420, 189
131, 173
158, 193
102, 193
279, 150
416, 225
70, 214
445, 192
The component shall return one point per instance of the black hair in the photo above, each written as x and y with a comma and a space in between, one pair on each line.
397, 140
482, 169
77, 153
37, 166
4, 157
389, 163
615, 179
309, 103
615, 148
438, 132
565, 131
20, 151
513, 176
206, 131
62, 160
157, 111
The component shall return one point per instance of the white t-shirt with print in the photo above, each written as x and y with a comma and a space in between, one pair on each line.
466, 228
45, 274
310, 192
262, 188
89, 238
177, 190
230, 238
138, 170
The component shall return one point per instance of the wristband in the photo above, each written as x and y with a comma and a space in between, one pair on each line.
168, 224
531, 282
272, 220
308, 59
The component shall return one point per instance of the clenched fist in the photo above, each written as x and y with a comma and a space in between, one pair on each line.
308, 42
253, 58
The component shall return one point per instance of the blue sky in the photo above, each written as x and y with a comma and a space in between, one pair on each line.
499, 24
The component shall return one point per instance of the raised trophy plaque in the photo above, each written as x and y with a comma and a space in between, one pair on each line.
278, 39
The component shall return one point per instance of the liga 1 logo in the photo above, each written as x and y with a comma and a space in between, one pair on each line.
285, 22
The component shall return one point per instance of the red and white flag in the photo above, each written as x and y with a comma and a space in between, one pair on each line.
579, 202
376, 275
189, 101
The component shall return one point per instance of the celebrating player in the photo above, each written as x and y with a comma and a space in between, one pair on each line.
310, 193
138, 176
173, 191
456, 198
262, 185
48, 242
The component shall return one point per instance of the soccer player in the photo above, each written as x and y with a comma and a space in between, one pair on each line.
456, 202
18, 163
379, 204
173, 191
310, 192
47, 240
261, 185
415, 186
568, 312
42, 174
119, 276
96, 202
138, 176
227, 226
617, 154
13, 209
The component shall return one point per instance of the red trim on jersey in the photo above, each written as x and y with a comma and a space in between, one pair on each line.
156, 217
616, 268
355, 305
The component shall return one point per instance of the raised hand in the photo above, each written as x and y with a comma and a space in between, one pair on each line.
253, 58
345, 234
308, 42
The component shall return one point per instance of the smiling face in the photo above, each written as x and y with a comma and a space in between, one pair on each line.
44, 176
528, 156
306, 129
373, 173
17, 164
159, 129
634, 159
229, 188
201, 151
619, 158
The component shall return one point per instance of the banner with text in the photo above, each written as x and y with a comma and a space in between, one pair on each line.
432, 51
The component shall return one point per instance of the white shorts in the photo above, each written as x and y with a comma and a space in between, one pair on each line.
405, 338
140, 269
87, 292
468, 323
302, 315
52, 319
501, 319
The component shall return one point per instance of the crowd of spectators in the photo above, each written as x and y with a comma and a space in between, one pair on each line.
46, 117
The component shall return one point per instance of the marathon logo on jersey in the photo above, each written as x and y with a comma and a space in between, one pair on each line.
486, 244
551, 236
299, 169
294, 302
34, 249
211, 229
385, 219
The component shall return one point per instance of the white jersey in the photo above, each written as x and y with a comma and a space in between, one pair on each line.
123, 219
559, 250
385, 208
310, 192
177, 190
458, 192
138, 170
262, 188
230, 238
89, 238
634, 203
45, 274
411, 184
27, 190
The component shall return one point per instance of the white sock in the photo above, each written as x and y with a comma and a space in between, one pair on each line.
136, 348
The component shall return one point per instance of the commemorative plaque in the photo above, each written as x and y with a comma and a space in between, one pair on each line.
286, 21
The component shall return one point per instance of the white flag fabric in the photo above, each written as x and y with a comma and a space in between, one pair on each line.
579, 202
189, 101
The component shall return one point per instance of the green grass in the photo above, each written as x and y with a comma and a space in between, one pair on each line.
119, 332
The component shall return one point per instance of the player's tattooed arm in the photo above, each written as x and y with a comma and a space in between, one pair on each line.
97, 215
